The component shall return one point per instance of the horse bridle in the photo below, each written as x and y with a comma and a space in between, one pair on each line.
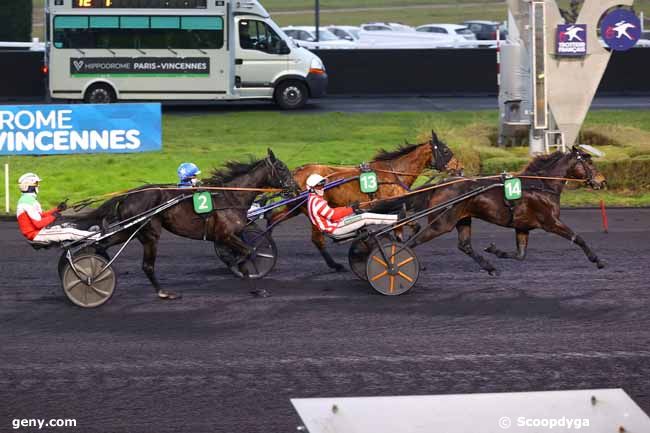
285, 184
438, 156
588, 171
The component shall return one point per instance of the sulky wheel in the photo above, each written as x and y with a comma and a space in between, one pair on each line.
92, 287
396, 276
358, 258
263, 258
88, 250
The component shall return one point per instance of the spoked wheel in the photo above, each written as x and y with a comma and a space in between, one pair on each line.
358, 258
88, 250
261, 261
395, 276
92, 287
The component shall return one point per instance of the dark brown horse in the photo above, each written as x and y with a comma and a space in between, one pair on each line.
223, 225
396, 172
539, 207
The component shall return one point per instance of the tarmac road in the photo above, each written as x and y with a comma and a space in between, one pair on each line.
399, 103
220, 360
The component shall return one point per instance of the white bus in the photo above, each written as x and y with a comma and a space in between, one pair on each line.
102, 51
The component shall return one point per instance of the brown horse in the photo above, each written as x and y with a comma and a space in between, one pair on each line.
223, 225
396, 172
539, 207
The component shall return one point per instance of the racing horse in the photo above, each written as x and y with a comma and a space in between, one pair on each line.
539, 207
396, 172
222, 225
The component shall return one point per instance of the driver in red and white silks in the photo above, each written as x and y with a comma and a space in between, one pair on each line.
35, 224
341, 220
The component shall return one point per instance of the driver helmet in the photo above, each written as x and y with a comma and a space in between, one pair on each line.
315, 180
187, 173
28, 183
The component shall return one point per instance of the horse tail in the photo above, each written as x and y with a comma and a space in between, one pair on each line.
107, 211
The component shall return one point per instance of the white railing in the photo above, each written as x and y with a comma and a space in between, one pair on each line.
34, 45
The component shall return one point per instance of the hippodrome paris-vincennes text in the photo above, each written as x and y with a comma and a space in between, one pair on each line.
26, 131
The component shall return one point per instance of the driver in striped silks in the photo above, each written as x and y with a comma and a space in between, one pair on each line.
341, 220
35, 224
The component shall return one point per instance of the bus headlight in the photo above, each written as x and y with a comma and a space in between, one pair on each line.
317, 66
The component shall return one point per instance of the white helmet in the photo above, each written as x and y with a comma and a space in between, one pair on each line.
315, 179
28, 180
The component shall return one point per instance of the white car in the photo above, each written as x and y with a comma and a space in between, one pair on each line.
305, 36
348, 33
392, 35
461, 35
386, 27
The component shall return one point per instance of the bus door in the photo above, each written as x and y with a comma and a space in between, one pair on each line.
258, 59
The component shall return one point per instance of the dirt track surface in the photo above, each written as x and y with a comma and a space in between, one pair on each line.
221, 361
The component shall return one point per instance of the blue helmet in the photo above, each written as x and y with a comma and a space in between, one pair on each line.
186, 171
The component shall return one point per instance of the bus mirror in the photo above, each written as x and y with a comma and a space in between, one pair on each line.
283, 48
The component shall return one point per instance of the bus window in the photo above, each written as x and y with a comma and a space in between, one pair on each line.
257, 35
141, 32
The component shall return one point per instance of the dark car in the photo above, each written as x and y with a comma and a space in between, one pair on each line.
486, 30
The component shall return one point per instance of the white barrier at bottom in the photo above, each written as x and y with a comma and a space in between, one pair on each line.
592, 411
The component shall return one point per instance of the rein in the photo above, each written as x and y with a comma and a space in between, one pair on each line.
83, 203
471, 179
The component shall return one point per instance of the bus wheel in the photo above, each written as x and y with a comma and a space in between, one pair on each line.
100, 94
291, 95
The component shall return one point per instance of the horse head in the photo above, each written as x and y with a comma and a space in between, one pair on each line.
442, 158
280, 176
584, 168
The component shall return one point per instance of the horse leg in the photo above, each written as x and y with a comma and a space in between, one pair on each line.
559, 228
149, 238
522, 245
318, 239
464, 228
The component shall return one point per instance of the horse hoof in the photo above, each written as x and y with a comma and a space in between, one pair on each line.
169, 296
600, 264
338, 267
494, 273
260, 293
491, 248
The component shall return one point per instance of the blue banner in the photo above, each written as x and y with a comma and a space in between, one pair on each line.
80, 129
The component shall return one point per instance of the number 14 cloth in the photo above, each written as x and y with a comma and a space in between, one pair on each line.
340, 220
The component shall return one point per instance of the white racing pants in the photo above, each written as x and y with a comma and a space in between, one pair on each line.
57, 234
355, 222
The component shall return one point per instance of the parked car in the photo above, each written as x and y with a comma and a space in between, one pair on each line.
373, 39
348, 33
305, 36
386, 27
486, 30
461, 35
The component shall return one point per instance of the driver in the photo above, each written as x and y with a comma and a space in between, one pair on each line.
35, 224
187, 173
341, 220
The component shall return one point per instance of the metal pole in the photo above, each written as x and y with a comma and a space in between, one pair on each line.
317, 11
7, 209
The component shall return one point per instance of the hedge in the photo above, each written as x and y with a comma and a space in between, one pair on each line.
629, 174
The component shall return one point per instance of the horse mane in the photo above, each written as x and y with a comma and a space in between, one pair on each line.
385, 155
542, 163
231, 170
